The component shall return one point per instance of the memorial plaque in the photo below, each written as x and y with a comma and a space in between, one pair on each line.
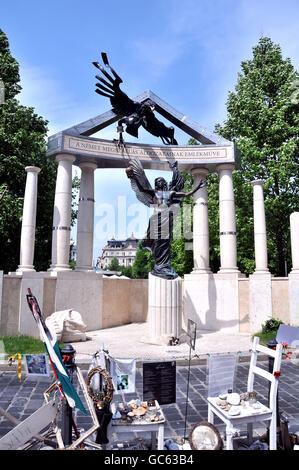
159, 382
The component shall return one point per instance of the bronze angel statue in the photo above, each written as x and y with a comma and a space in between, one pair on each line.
165, 201
133, 114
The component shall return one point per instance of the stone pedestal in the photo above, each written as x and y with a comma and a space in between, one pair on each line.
164, 309
260, 300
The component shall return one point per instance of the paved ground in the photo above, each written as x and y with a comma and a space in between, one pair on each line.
21, 399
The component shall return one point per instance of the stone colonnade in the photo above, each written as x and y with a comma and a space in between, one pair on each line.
62, 221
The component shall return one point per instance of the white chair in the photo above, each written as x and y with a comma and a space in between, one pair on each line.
250, 415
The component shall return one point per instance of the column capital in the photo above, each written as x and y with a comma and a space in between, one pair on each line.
225, 166
257, 182
65, 156
91, 165
32, 169
199, 171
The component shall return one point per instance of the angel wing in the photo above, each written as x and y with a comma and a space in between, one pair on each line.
121, 103
140, 176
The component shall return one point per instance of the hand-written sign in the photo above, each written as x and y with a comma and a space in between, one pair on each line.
28, 428
221, 374
191, 333
159, 382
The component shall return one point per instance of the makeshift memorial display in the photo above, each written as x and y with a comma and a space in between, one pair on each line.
174, 341
138, 412
123, 373
11, 359
205, 436
101, 400
36, 365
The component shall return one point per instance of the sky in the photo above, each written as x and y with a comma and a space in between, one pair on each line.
188, 52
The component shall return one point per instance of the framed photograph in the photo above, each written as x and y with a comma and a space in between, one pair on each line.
36, 365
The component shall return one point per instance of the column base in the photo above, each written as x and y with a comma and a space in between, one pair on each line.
60, 268
22, 269
84, 269
201, 271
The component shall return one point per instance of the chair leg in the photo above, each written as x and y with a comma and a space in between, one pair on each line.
250, 432
210, 415
272, 434
229, 438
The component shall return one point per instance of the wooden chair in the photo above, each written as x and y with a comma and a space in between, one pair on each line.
249, 415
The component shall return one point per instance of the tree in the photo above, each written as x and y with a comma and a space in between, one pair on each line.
262, 118
22, 143
114, 265
143, 263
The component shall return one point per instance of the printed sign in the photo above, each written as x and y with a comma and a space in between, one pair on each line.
159, 382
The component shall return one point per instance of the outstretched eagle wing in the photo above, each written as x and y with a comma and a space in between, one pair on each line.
156, 127
140, 176
121, 103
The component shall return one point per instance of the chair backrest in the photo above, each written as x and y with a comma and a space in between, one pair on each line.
255, 370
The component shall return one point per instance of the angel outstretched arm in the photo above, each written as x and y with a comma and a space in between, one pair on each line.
180, 194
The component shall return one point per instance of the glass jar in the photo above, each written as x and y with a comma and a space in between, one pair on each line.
252, 398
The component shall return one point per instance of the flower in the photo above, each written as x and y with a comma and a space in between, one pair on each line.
276, 374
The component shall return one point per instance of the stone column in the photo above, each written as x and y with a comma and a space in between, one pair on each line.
260, 237
29, 220
227, 220
294, 224
85, 218
62, 214
294, 274
200, 224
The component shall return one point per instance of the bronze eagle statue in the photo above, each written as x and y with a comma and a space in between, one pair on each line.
133, 114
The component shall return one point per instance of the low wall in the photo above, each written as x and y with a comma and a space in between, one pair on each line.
214, 302
102, 302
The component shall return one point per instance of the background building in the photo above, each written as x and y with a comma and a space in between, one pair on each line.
123, 250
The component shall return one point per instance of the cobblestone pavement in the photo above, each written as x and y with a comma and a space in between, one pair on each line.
21, 399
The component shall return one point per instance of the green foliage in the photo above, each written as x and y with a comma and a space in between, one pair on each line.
22, 143
271, 325
126, 271
143, 264
263, 121
114, 265
22, 345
